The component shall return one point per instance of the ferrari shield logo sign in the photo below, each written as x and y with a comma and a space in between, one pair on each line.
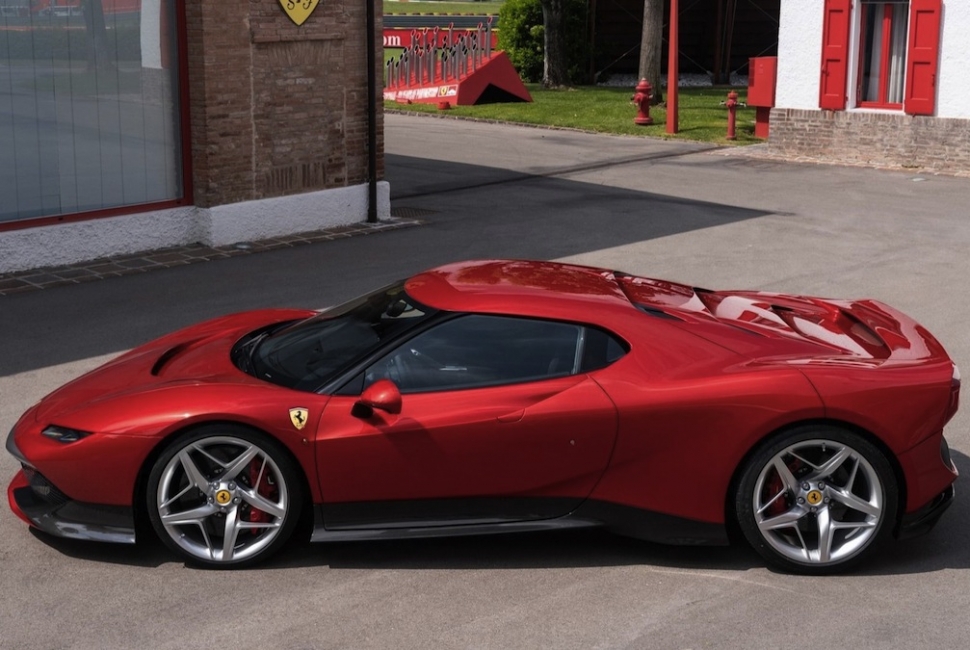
298, 417
299, 11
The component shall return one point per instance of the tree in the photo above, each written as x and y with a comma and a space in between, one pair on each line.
523, 36
555, 68
651, 45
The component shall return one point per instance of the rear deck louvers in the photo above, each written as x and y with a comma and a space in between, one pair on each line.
659, 313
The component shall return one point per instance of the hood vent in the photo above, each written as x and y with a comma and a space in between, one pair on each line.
168, 355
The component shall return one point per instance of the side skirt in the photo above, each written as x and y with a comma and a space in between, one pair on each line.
622, 520
653, 526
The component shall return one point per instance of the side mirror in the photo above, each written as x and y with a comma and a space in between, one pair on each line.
382, 395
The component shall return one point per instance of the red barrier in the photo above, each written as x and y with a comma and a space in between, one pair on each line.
452, 67
407, 37
495, 76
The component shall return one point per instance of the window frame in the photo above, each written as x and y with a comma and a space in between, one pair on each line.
842, 60
185, 150
886, 22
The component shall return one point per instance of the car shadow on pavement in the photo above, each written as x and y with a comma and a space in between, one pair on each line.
149, 552
551, 550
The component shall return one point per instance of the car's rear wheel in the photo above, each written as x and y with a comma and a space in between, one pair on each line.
816, 500
223, 495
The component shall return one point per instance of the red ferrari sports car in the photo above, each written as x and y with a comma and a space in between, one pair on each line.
501, 396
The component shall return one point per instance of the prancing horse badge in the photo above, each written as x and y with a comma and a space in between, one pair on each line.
299, 10
298, 417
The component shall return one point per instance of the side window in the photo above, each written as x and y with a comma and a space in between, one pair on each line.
600, 350
476, 350
897, 56
882, 54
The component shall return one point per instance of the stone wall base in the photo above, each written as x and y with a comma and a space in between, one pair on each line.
81, 241
872, 138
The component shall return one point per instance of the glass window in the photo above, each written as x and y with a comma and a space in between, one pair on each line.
600, 350
477, 350
882, 58
308, 354
89, 106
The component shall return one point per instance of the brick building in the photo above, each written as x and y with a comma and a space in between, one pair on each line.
141, 124
874, 81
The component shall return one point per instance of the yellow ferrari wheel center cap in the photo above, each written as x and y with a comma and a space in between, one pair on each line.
814, 497
223, 497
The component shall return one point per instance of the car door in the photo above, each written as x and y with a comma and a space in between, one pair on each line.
497, 424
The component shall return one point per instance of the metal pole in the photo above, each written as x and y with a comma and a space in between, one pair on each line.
434, 53
488, 38
371, 112
673, 69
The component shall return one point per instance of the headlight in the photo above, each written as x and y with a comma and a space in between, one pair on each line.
64, 434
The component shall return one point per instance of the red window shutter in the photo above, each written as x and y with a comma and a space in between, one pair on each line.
835, 54
922, 57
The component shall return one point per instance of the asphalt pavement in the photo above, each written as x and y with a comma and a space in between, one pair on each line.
665, 209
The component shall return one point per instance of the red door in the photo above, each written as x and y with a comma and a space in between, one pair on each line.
509, 453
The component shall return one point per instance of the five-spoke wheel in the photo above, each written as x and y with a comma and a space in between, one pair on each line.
224, 495
815, 499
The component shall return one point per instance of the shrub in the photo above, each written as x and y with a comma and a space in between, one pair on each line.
520, 34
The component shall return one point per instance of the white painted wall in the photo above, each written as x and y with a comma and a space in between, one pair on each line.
954, 74
799, 53
70, 243
254, 220
800, 56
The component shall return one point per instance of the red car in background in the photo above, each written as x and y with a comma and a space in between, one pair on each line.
501, 396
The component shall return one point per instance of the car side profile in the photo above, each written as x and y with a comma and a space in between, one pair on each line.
507, 395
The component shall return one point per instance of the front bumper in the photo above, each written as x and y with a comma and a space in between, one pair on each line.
42, 505
38, 502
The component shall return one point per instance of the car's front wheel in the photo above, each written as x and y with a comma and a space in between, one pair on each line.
816, 499
223, 495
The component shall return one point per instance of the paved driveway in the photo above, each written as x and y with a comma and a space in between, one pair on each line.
651, 207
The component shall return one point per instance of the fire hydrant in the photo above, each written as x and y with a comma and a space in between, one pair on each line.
641, 100
732, 106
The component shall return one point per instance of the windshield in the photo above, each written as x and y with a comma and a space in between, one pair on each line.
310, 353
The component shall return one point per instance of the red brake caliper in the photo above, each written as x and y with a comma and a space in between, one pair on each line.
775, 485
265, 488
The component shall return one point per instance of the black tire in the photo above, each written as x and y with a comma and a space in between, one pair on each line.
835, 504
223, 495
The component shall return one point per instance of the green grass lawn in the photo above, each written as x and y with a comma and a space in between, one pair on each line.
608, 110
589, 108
487, 8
